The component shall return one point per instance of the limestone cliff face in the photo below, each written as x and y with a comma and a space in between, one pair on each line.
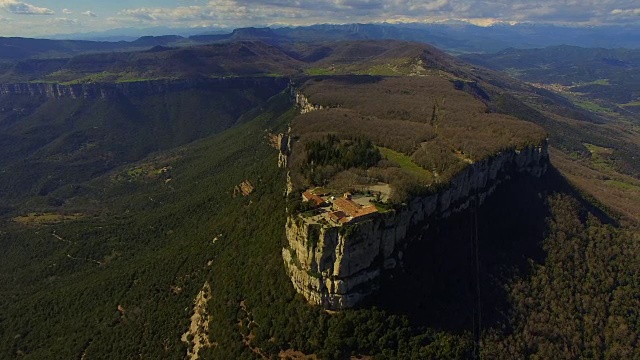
134, 88
336, 267
284, 148
304, 104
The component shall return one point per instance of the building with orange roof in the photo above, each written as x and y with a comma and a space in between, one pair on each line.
314, 199
336, 216
352, 210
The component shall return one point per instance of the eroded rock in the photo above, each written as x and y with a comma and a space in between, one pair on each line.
338, 266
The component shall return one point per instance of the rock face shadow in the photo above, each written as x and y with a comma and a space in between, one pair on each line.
436, 286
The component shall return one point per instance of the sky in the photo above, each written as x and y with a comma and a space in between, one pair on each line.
48, 17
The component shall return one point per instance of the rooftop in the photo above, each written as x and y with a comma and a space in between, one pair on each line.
353, 209
343, 210
311, 197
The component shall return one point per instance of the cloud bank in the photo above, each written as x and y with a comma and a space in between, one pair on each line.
22, 8
301, 12
64, 22
243, 13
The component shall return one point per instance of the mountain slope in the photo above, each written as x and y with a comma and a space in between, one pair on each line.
17, 48
576, 94
79, 278
573, 127
612, 75
51, 143
247, 58
123, 284
107, 263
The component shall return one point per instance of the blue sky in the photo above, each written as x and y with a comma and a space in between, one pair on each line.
42, 17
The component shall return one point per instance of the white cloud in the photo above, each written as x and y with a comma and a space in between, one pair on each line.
242, 13
626, 12
22, 8
183, 13
89, 13
64, 22
237, 13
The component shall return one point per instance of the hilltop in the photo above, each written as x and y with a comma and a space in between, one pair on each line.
417, 122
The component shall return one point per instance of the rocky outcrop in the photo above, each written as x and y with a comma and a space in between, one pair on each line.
304, 104
135, 88
282, 142
245, 189
338, 266
197, 335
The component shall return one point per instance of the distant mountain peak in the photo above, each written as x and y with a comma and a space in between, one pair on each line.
482, 22
253, 32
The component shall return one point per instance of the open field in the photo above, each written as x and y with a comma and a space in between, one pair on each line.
36, 219
406, 164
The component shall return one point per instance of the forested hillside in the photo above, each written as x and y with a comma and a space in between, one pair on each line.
117, 213
56, 144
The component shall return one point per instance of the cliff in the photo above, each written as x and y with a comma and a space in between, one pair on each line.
135, 88
304, 104
338, 266
282, 142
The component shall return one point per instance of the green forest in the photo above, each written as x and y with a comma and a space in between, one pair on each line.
123, 284
328, 156
115, 213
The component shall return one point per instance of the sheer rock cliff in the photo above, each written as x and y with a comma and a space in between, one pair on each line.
338, 266
134, 88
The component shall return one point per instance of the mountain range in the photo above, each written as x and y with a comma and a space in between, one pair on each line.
457, 37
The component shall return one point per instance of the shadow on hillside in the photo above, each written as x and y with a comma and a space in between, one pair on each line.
346, 79
436, 286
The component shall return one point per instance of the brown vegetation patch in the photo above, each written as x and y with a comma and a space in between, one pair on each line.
401, 98
438, 127
245, 188
431, 107
291, 354
38, 219
400, 135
